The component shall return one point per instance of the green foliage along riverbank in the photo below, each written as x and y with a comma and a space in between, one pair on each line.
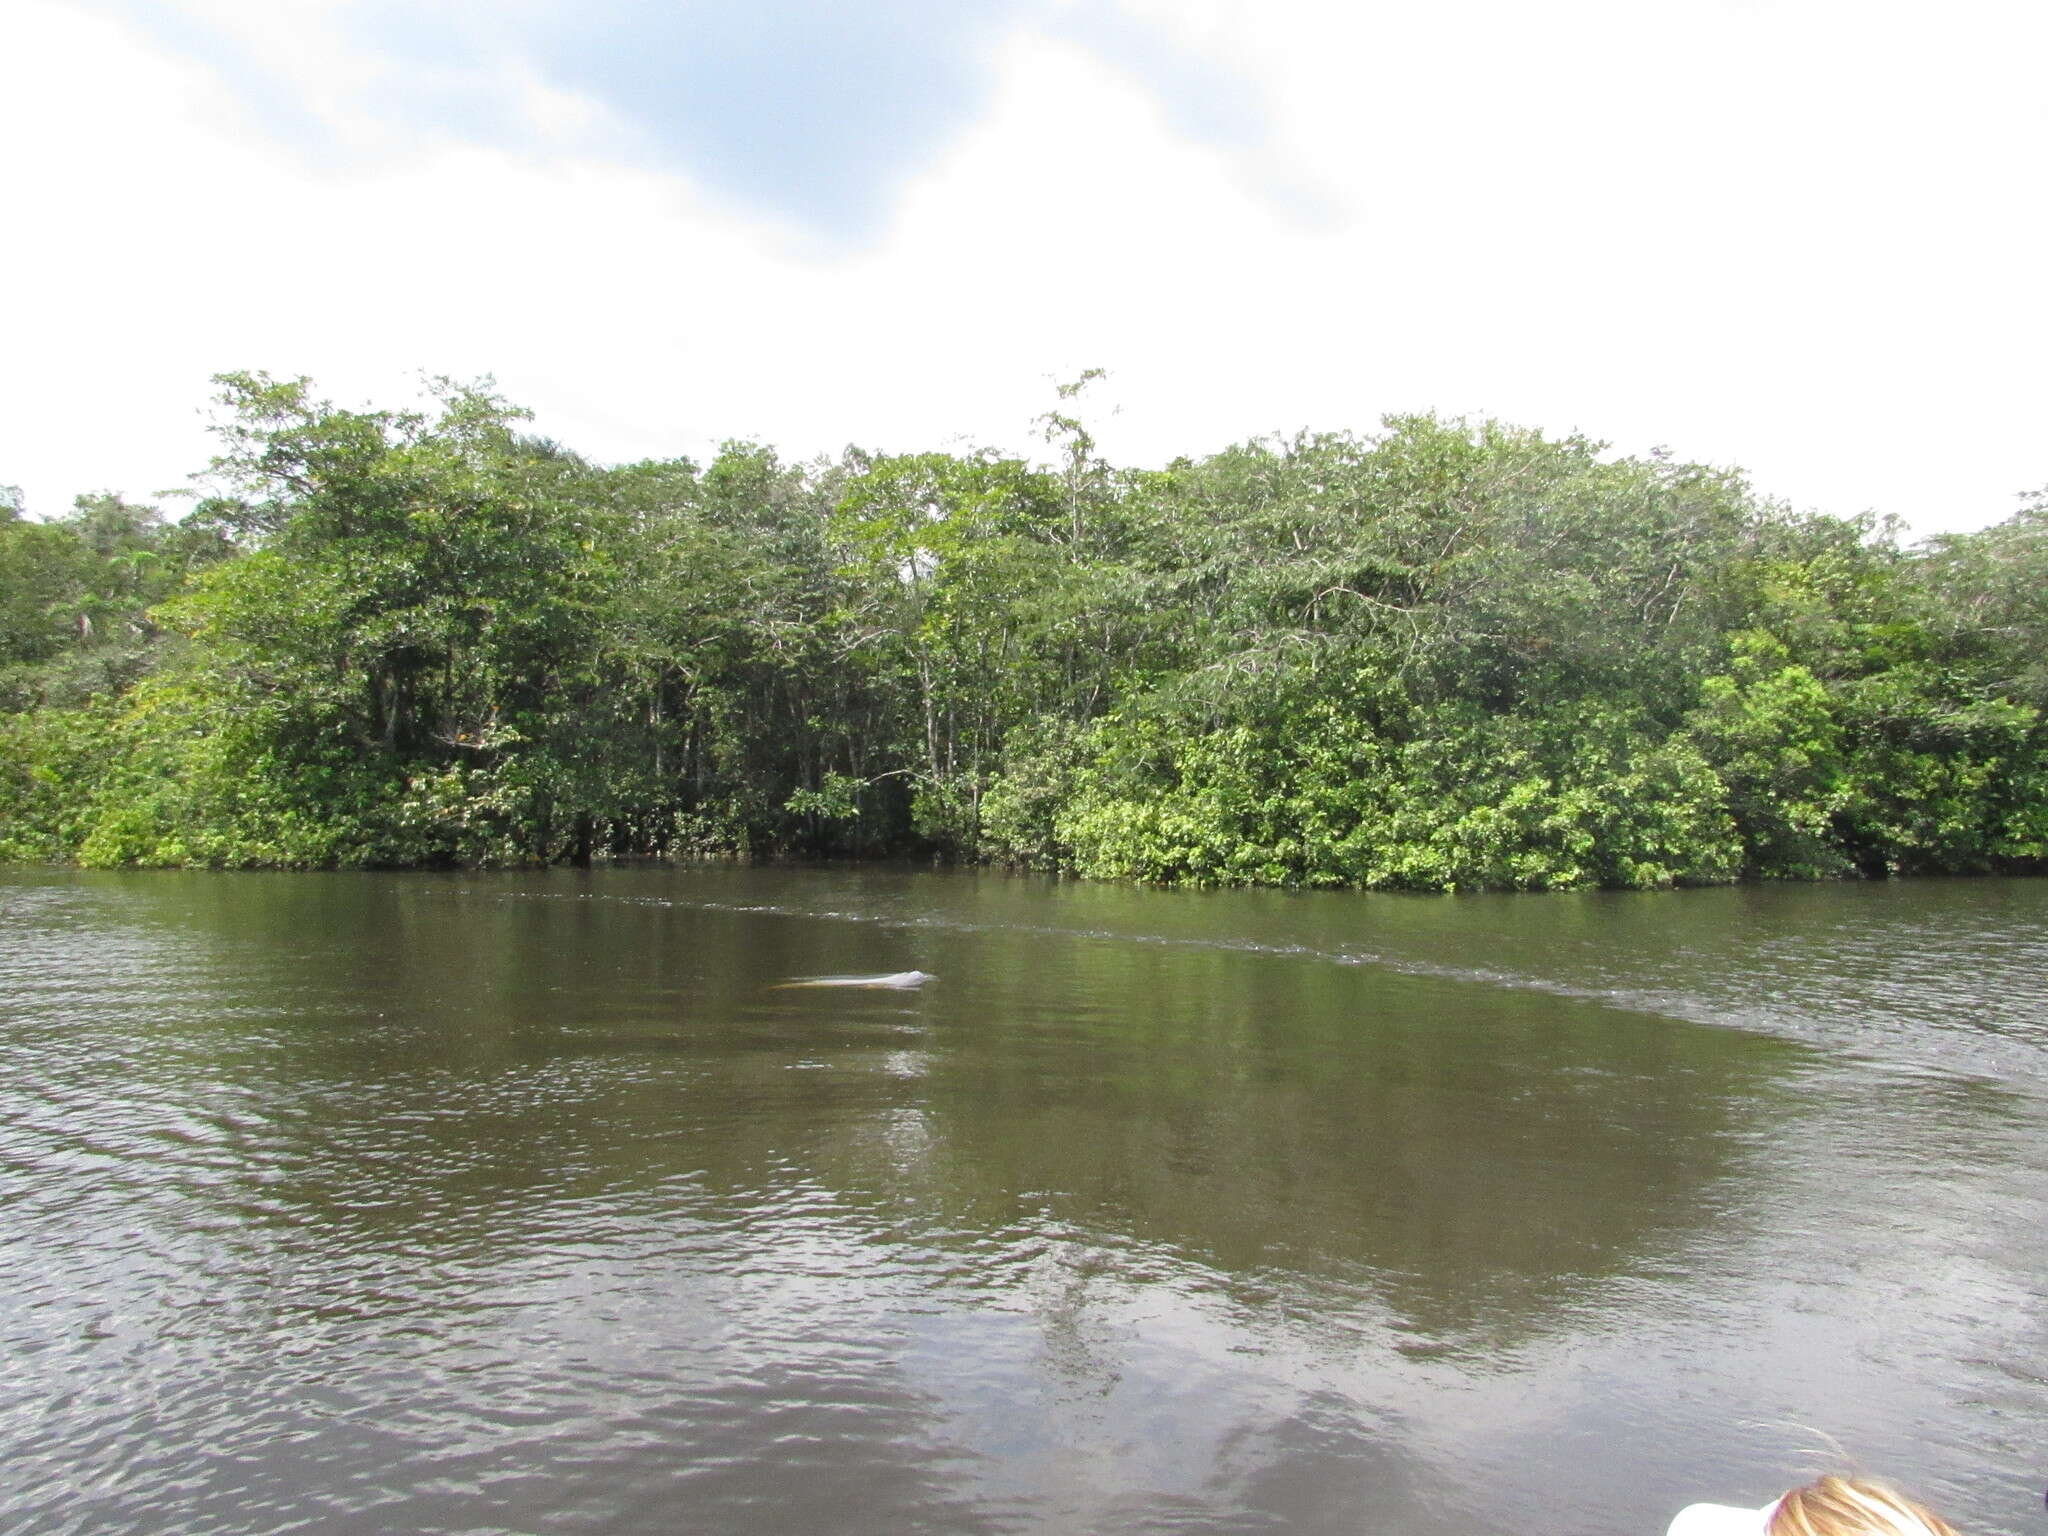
1446, 656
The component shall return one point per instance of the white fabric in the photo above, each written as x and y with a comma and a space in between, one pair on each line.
1722, 1520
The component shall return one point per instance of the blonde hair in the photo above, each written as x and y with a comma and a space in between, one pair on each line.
1852, 1506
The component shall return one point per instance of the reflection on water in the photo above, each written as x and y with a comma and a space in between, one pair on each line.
534, 1204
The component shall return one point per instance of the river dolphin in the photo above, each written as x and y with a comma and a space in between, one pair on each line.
900, 980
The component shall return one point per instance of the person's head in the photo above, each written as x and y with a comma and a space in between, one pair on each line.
1852, 1506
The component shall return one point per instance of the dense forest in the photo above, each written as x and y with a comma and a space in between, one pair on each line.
1449, 655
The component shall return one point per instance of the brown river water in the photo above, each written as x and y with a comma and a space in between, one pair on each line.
534, 1203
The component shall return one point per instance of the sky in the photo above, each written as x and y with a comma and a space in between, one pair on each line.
1806, 238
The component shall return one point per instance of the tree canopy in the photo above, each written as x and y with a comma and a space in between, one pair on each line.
1443, 655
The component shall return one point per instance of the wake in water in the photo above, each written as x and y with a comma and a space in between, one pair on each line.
1941, 976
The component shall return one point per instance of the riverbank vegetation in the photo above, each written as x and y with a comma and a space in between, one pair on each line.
1448, 655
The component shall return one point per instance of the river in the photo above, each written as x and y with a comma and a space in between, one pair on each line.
535, 1203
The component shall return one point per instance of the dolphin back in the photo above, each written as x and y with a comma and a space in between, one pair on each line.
897, 980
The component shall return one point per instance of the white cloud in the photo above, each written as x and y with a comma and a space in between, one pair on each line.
1801, 237
1796, 236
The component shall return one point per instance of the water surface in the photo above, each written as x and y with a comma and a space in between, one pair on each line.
353, 1204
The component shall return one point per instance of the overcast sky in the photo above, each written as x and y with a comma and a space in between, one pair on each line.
1806, 237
